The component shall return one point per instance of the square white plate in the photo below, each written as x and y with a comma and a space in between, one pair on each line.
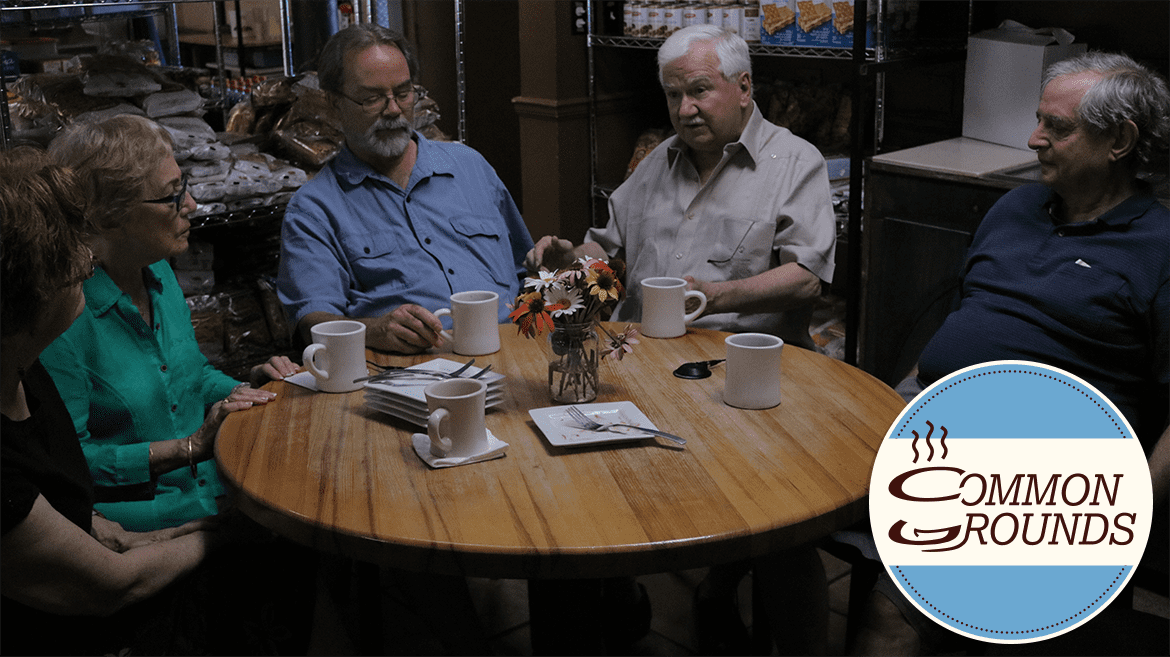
494, 398
409, 410
399, 411
561, 431
414, 390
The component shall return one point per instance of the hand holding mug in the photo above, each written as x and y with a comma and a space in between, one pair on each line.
475, 319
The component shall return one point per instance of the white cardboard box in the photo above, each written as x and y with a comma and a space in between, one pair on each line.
1005, 67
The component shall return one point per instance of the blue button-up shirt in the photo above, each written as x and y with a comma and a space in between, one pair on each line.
354, 243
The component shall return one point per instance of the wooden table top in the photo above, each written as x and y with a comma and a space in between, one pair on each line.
326, 471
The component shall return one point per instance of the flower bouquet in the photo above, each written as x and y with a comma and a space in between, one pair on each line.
568, 303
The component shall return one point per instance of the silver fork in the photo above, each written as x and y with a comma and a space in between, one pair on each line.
590, 424
396, 372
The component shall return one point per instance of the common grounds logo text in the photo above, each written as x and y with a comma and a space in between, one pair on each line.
1010, 502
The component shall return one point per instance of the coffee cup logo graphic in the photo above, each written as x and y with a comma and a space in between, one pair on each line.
1010, 502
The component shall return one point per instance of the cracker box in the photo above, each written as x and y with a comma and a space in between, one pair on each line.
778, 22
829, 24
1002, 88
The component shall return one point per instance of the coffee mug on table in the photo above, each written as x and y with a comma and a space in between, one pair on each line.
456, 422
664, 303
753, 370
337, 355
475, 320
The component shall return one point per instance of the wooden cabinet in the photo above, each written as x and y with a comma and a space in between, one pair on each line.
918, 226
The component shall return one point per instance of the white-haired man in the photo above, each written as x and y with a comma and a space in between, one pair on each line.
736, 205
741, 209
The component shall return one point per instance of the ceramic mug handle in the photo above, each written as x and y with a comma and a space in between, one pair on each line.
439, 445
441, 312
310, 362
694, 294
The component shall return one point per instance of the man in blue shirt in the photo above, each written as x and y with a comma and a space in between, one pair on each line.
396, 223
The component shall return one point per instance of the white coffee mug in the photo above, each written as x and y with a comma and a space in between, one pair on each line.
664, 304
753, 370
456, 423
475, 322
337, 355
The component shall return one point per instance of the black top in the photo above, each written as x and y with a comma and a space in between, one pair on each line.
41, 456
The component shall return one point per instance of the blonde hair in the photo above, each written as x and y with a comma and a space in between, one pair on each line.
115, 159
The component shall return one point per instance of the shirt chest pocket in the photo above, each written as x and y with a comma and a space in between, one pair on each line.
742, 248
1092, 300
372, 257
487, 244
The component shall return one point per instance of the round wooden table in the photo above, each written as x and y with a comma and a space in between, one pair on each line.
325, 470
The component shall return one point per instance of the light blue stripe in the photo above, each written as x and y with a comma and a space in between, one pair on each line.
1005, 404
1010, 602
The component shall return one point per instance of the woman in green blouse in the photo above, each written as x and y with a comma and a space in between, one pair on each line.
145, 401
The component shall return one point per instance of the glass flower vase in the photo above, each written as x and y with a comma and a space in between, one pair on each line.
572, 367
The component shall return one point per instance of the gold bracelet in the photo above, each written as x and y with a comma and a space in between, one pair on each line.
190, 458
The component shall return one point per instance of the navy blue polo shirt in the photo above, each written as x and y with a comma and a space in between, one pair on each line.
1090, 298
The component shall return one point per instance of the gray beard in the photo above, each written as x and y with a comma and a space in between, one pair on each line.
391, 147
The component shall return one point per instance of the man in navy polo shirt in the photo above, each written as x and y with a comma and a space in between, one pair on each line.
396, 223
1073, 273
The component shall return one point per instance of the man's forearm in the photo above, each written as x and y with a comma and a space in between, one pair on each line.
782, 288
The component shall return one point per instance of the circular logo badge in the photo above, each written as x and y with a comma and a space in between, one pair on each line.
1010, 502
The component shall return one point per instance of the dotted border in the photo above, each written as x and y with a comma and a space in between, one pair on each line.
1120, 430
976, 628
1070, 384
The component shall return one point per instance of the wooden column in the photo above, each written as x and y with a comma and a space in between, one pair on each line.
553, 110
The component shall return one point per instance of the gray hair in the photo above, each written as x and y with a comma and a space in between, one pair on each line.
1127, 91
730, 48
355, 38
115, 159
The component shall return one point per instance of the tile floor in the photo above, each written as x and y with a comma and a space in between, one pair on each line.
501, 605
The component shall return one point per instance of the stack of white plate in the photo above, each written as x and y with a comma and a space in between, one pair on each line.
403, 397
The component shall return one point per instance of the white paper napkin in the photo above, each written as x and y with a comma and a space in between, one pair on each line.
422, 447
303, 379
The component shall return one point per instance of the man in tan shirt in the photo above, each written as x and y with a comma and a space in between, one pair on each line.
736, 205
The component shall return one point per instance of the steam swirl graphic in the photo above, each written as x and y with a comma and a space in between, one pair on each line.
942, 442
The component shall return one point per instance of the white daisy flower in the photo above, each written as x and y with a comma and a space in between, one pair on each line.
546, 278
569, 300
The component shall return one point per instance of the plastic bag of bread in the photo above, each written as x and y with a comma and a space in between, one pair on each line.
62, 93
121, 76
187, 131
647, 141
207, 320
307, 133
278, 326
274, 91
170, 103
241, 118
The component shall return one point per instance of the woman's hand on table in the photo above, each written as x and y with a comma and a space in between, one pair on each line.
276, 369
242, 397
115, 537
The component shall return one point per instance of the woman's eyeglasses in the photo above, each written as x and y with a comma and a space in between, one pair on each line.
405, 99
175, 199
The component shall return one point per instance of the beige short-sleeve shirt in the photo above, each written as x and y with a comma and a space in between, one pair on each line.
766, 204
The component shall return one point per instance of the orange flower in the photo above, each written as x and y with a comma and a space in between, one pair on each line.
531, 314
